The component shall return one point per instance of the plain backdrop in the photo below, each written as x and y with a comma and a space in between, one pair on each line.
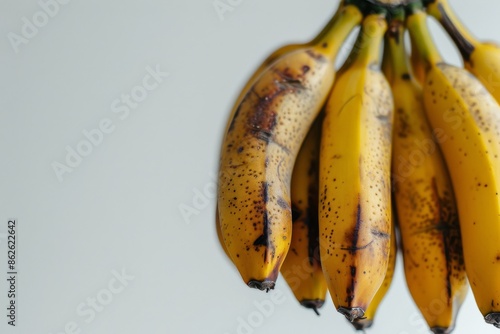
116, 212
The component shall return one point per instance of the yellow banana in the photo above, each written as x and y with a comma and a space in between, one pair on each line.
355, 155
259, 150
302, 267
425, 202
367, 321
466, 122
480, 58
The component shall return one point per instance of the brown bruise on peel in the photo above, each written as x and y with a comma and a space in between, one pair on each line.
433, 231
316, 56
263, 239
312, 223
296, 213
308, 221
260, 146
403, 128
261, 124
448, 228
305, 215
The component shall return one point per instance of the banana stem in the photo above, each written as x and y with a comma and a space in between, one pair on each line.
387, 67
340, 26
441, 10
397, 18
366, 51
419, 32
397, 50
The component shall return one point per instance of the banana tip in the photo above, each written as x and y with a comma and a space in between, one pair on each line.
261, 285
352, 313
313, 304
441, 330
362, 324
493, 318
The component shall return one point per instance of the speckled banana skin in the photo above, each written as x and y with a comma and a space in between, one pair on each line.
259, 149
472, 149
425, 202
480, 58
467, 118
302, 266
368, 319
258, 157
355, 155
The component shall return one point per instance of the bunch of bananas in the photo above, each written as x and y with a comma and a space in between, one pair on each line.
319, 170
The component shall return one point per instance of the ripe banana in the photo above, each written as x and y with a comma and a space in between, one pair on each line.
259, 149
466, 122
480, 58
425, 202
302, 267
361, 324
367, 320
355, 199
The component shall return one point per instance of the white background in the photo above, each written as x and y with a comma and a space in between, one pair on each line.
118, 210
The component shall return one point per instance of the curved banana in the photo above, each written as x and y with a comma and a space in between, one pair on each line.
425, 201
302, 267
480, 58
466, 122
361, 324
259, 150
355, 155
